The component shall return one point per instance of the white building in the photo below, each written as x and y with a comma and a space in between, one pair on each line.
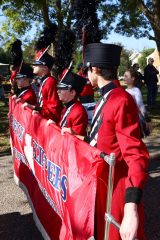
134, 57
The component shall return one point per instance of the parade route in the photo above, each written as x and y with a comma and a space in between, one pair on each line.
16, 222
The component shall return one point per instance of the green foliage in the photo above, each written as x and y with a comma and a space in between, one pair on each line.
77, 59
133, 18
4, 56
19, 18
126, 17
22, 15
108, 12
143, 59
29, 52
125, 62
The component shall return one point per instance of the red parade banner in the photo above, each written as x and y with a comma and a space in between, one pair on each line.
58, 174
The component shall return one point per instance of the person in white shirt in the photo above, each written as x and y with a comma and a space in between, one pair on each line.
130, 77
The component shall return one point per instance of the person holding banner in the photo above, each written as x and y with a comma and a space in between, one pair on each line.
74, 114
115, 129
49, 103
25, 92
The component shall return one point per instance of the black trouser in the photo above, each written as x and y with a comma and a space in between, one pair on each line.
152, 94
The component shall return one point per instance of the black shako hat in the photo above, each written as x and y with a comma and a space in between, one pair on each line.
46, 60
102, 55
25, 71
72, 81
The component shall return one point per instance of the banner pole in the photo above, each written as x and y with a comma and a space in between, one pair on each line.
110, 159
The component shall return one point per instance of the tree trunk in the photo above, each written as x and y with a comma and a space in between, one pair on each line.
45, 15
154, 19
157, 39
59, 14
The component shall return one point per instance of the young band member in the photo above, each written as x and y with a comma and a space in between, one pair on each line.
74, 114
48, 100
24, 90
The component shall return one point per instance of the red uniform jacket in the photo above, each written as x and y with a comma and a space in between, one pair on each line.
51, 105
77, 118
28, 95
88, 89
119, 133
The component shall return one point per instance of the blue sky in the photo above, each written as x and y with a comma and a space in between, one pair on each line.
131, 43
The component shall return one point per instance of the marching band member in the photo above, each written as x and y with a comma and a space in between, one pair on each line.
25, 91
115, 129
74, 114
49, 103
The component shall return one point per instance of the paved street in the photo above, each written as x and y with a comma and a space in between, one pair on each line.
16, 222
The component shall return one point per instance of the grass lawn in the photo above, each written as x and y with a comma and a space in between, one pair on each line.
4, 131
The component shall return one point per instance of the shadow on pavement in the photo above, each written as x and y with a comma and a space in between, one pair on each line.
14, 226
152, 202
6, 152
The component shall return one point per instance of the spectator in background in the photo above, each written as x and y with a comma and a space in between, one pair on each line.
150, 78
130, 79
2, 93
140, 77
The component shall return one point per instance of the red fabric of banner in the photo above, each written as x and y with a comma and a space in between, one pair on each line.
59, 173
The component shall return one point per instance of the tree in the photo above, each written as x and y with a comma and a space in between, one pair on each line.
134, 18
125, 62
143, 59
21, 15
29, 52
4, 56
